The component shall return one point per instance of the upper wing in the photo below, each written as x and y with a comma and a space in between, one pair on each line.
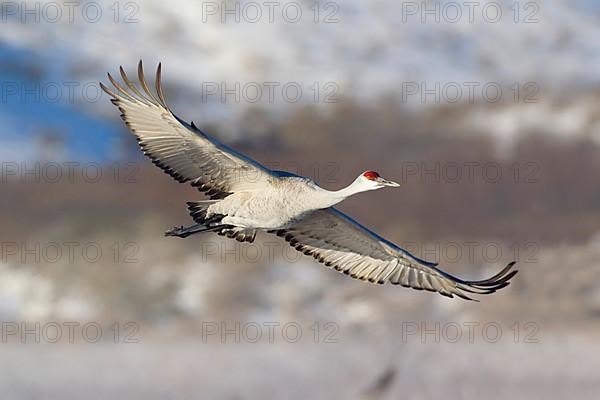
181, 149
336, 240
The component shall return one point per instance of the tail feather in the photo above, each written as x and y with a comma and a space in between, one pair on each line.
199, 212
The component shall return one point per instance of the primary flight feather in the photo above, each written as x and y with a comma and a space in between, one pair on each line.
246, 197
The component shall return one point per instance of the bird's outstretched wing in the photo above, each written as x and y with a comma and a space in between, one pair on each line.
179, 148
341, 243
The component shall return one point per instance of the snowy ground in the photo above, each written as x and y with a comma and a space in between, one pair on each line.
559, 366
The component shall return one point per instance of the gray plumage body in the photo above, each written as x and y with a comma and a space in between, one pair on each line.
288, 198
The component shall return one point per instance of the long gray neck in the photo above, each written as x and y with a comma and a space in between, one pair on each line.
330, 198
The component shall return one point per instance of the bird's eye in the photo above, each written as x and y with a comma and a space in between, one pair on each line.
371, 175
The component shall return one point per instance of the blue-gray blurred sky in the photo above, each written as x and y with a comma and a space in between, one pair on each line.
368, 49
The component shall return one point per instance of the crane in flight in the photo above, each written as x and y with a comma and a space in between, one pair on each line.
245, 197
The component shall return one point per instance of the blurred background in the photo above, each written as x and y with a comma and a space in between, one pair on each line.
488, 113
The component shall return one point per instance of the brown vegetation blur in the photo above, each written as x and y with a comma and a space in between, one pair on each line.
553, 204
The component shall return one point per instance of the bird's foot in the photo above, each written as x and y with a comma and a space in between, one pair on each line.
177, 231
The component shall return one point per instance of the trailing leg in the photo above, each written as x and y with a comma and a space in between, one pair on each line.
183, 232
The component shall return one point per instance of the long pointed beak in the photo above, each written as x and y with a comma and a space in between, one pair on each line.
389, 183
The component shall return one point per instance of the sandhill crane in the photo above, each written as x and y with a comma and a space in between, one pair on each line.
246, 197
